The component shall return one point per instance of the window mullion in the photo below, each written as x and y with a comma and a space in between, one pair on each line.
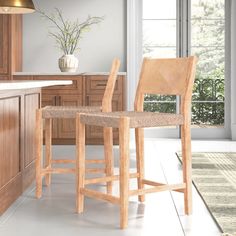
184, 28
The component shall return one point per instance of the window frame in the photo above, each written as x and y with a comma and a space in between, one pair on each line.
183, 34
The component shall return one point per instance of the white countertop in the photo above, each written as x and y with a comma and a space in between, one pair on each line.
64, 73
28, 84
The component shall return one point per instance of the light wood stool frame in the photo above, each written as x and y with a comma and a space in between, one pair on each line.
163, 76
51, 112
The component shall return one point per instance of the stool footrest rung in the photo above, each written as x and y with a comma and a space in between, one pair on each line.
152, 183
62, 161
58, 171
100, 196
67, 161
94, 170
166, 187
95, 161
49, 170
108, 178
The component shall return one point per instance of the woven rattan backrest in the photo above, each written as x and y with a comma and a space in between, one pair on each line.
108, 94
173, 76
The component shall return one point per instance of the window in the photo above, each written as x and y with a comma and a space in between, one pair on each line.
159, 40
193, 27
208, 43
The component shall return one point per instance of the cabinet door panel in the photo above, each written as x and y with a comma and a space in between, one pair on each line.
48, 100
75, 88
4, 77
51, 100
32, 102
16, 42
96, 84
66, 127
94, 134
9, 139
4, 44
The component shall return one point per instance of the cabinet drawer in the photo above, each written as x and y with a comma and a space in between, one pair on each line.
4, 77
22, 77
96, 84
75, 88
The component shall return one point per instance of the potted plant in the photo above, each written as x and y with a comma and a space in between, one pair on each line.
67, 35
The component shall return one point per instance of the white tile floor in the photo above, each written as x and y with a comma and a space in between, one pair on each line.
161, 214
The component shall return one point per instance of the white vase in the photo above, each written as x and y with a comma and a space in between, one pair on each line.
68, 63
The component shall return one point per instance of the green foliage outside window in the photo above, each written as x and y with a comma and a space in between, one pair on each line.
158, 103
208, 98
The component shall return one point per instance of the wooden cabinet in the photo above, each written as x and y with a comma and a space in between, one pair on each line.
17, 127
66, 127
10, 161
10, 45
86, 90
94, 135
95, 87
69, 95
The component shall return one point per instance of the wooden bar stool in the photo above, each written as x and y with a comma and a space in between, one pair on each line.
158, 76
51, 112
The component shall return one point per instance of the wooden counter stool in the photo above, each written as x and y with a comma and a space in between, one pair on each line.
158, 76
51, 112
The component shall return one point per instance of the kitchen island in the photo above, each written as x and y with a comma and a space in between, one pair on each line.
18, 102
87, 90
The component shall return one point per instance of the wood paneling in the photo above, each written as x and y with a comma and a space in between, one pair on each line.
10, 162
5, 77
4, 44
10, 192
15, 26
10, 45
94, 135
51, 100
66, 127
9, 135
68, 95
31, 103
17, 127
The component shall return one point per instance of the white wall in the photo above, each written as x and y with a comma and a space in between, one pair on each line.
98, 47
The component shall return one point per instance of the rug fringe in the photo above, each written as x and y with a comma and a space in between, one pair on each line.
226, 234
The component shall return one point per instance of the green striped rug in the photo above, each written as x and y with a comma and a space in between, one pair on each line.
214, 175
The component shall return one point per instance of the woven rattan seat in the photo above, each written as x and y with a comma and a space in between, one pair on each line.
137, 119
66, 111
173, 76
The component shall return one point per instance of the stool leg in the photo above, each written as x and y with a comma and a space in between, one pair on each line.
38, 147
139, 138
187, 167
48, 147
108, 154
80, 163
124, 170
